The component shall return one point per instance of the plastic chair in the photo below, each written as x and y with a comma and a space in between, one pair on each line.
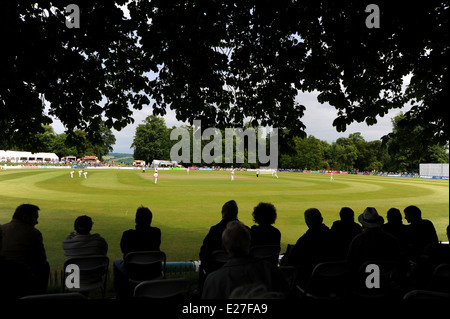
329, 280
144, 265
387, 274
290, 273
440, 278
267, 252
66, 295
162, 289
219, 256
426, 294
93, 273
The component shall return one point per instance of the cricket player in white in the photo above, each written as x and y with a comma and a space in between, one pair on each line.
232, 174
331, 177
156, 176
71, 174
85, 174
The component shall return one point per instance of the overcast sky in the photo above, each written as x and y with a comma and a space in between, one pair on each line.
318, 120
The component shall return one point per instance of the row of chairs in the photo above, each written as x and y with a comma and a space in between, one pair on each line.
155, 289
147, 273
336, 280
146, 270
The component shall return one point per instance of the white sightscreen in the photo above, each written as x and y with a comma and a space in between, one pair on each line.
433, 169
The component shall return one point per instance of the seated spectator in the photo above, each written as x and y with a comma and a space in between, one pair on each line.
395, 227
241, 269
213, 241
424, 266
22, 242
373, 243
344, 230
312, 248
16, 278
421, 232
81, 242
143, 238
265, 214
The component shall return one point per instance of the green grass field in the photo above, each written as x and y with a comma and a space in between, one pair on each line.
185, 206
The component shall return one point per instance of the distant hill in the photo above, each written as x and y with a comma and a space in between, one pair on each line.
119, 158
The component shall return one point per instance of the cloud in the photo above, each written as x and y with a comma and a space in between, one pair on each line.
319, 118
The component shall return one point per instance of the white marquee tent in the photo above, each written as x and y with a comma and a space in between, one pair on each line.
17, 157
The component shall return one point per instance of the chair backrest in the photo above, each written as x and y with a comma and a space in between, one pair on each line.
219, 256
440, 279
442, 271
268, 252
64, 295
145, 265
387, 268
93, 272
426, 294
386, 278
329, 280
163, 288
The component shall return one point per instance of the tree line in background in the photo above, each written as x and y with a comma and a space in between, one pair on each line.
401, 151
77, 144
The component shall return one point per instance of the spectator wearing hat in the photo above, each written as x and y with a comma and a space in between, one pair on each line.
81, 242
373, 243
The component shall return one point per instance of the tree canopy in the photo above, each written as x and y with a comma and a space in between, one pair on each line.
223, 62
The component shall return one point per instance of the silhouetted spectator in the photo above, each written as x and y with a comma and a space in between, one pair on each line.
265, 214
16, 278
241, 269
143, 238
395, 227
421, 232
373, 243
344, 231
312, 248
424, 266
22, 242
213, 241
376, 246
81, 242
